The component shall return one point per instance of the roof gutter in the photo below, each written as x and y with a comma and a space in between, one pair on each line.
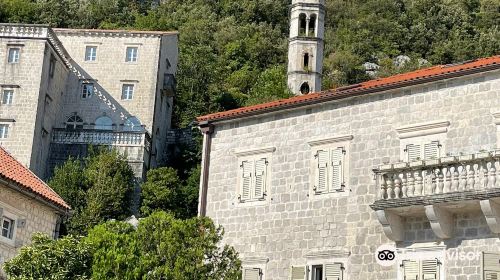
207, 129
332, 95
17, 187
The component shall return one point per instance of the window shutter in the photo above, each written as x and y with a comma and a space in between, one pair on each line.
260, 177
246, 180
430, 269
251, 274
337, 169
491, 266
410, 270
413, 152
431, 150
322, 177
298, 273
333, 271
491, 275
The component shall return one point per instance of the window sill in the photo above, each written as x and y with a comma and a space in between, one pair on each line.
9, 242
325, 195
254, 202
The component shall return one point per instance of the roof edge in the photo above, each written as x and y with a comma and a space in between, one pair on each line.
345, 92
114, 31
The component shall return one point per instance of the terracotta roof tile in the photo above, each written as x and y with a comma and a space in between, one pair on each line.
13, 170
440, 72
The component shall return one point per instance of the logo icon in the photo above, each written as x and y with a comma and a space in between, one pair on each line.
385, 255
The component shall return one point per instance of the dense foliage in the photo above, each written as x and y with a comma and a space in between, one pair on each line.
165, 191
233, 53
161, 247
98, 188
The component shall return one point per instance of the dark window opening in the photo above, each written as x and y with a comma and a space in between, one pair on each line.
317, 272
302, 25
304, 88
312, 25
306, 61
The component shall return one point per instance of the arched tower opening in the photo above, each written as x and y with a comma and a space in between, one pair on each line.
312, 25
306, 61
302, 24
305, 89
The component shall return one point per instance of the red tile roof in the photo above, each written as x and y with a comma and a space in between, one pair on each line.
14, 171
431, 74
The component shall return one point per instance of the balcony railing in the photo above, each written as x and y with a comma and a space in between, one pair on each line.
101, 137
438, 187
23, 30
453, 174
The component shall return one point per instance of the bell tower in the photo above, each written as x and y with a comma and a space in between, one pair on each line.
305, 49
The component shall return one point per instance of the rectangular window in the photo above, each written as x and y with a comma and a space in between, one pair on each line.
422, 150
491, 266
90, 53
14, 55
4, 131
52, 65
131, 55
7, 96
127, 92
330, 170
87, 90
253, 179
7, 227
421, 269
252, 274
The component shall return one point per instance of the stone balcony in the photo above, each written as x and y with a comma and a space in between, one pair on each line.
23, 30
438, 188
101, 137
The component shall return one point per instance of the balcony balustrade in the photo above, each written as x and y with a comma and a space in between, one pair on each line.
101, 137
438, 188
23, 30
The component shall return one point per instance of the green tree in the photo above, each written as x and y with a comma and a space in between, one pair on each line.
271, 85
63, 259
162, 247
98, 188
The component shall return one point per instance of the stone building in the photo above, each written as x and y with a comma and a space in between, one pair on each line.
305, 51
313, 186
64, 89
27, 206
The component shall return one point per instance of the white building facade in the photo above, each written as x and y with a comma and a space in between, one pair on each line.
64, 89
311, 188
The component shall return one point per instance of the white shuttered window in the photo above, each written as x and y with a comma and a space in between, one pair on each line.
421, 269
330, 166
491, 266
251, 274
423, 150
253, 179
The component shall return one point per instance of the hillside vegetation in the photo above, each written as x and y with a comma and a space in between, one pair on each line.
233, 53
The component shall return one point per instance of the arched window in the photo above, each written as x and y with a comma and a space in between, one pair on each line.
104, 123
132, 124
312, 25
304, 88
74, 122
302, 24
306, 61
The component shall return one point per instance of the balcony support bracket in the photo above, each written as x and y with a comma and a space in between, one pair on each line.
491, 211
392, 224
441, 220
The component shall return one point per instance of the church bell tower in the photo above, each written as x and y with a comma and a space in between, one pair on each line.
305, 50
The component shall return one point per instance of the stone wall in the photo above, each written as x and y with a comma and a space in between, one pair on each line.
292, 223
38, 217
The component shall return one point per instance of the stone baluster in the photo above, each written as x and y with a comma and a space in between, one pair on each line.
484, 175
382, 190
477, 178
492, 176
447, 180
470, 178
440, 181
397, 187
430, 186
390, 187
418, 183
411, 184
404, 183
463, 179
455, 179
